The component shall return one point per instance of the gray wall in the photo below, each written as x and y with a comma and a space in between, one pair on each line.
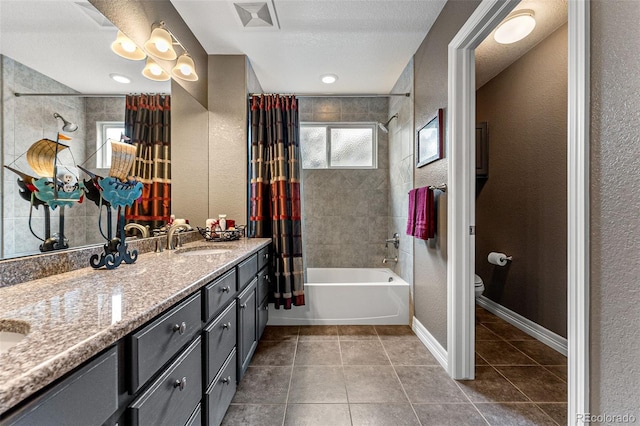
430, 258
345, 211
401, 165
522, 207
614, 207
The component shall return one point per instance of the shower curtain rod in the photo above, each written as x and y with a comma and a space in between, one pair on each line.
337, 95
75, 95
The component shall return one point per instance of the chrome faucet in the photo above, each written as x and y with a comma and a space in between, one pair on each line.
144, 230
170, 233
395, 240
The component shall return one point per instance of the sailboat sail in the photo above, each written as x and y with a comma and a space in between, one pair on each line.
41, 156
122, 157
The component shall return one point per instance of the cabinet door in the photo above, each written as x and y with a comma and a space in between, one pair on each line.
247, 326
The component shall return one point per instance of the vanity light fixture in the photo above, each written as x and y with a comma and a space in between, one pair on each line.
154, 72
120, 78
123, 46
329, 78
515, 27
160, 43
185, 68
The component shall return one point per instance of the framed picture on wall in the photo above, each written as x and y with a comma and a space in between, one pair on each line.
430, 140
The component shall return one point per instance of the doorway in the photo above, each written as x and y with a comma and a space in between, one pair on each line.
461, 215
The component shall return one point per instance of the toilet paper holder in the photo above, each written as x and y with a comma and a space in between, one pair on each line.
499, 259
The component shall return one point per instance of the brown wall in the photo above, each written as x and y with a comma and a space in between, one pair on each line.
521, 209
430, 91
614, 207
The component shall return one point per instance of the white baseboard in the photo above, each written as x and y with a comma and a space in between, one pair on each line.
431, 343
549, 338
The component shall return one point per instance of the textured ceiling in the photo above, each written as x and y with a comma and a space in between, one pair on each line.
492, 57
367, 43
61, 40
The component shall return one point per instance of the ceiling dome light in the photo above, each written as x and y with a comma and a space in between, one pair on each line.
153, 71
517, 26
120, 78
123, 46
329, 78
185, 68
160, 44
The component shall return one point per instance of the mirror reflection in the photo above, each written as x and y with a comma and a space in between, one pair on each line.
73, 58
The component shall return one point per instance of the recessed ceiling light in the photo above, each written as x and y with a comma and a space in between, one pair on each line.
120, 78
517, 26
329, 78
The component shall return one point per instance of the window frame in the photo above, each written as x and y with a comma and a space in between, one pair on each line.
345, 125
103, 160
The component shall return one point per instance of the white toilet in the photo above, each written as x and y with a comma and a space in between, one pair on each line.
479, 286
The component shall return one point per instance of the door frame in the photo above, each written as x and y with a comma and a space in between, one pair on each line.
461, 182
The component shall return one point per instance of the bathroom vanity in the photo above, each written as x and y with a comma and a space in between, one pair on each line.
163, 341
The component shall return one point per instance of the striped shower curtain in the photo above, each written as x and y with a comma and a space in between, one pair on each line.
148, 125
275, 192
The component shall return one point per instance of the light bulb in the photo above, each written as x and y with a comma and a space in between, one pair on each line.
155, 69
128, 46
162, 46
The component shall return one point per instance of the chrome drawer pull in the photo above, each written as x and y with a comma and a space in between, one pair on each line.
266, 308
180, 383
266, 255
225, 289
265, 277
226, 380
180, 328
243, 306
226, 326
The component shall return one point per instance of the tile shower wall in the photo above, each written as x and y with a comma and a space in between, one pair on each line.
401, 169
345, 212
28, 119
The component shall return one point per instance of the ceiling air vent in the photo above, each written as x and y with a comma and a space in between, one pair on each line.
259, 15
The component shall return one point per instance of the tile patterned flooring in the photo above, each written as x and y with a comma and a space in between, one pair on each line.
383, 375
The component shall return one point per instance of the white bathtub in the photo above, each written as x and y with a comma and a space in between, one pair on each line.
348, 296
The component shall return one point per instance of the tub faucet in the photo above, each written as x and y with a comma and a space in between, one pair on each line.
394, 259
170, 233
144, 230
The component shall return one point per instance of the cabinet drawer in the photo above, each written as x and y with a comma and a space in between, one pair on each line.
221, 391
220, 339
159, 341
88, 396
247, 270
263, 284
218, 293
196, 417
263, 317
263, 257
170, 400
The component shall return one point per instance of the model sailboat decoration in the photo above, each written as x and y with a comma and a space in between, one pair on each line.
54, 185
115, 191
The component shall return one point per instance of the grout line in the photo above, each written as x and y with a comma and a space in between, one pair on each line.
293, 363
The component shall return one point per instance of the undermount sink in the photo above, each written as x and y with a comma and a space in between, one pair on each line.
203, 250
12, 332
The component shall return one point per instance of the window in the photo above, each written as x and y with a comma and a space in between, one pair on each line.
106, 131
338, 145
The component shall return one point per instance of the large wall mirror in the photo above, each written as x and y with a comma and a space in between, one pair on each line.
59, 46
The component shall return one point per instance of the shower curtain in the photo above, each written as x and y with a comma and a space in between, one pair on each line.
275, 192
148, 125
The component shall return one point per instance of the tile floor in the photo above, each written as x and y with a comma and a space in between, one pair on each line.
383, 375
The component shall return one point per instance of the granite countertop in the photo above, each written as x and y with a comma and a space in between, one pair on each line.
75, 315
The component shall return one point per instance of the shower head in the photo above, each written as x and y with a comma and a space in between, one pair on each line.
385, 127
66, 125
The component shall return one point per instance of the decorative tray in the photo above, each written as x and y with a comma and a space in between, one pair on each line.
228, 235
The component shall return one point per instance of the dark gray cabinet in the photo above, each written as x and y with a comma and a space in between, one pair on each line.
247, 326
172, 397
88, 397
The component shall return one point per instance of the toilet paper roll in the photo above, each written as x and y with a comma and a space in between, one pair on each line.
495, 258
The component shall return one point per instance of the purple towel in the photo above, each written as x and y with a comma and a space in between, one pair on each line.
411, 216
425, 214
